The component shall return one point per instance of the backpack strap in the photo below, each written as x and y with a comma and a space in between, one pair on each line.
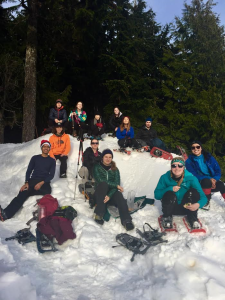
34, 218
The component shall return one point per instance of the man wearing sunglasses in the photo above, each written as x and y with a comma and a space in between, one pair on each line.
205, 167
91, 156
180, 193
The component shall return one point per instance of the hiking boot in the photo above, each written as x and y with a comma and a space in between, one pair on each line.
128, 225
63, 175
196, 225
207, 206
167, 222
3, 216
99, 220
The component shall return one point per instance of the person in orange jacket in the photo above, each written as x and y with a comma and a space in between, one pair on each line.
60, 148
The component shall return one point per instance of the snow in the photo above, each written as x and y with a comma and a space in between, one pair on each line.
188, 267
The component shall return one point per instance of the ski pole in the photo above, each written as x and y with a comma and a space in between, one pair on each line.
78, 163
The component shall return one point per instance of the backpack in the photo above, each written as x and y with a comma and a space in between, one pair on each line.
67, 212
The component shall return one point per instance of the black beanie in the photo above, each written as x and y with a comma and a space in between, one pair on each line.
107, 151
197, 142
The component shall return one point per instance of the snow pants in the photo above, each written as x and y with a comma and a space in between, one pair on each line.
171, 207
63, 166
206, 185
152, 143
19, 200
96, 132
116, 200
124, 143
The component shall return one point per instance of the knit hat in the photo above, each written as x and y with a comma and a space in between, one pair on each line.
58, 100
148, 119
197, 142
178, 159
106, 151
45, 142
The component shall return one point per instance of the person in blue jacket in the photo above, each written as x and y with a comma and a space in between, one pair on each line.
205, 167
180, 193
125, 134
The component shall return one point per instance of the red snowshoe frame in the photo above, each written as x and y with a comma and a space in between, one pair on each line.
157, 152
166, 229
191, 230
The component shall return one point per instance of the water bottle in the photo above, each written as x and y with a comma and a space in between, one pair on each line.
130, 200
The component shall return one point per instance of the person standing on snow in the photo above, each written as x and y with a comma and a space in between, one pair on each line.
147, 136
205, 167
57, 115
40, 172
176, 189
77, 119
125, 134
115, 120
60, 148
108, 190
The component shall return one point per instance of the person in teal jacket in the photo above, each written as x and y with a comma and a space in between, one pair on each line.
180, 193
108, 190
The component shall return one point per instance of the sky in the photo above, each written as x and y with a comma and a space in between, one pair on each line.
166, 10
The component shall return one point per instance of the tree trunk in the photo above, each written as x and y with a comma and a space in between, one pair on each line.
29, 104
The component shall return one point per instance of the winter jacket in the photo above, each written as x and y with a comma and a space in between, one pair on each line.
59, 144
115, 121
94, 124
146, 134
110, 176
213, 166
78, 118
58, 113
166, 183
125, 134
89, 159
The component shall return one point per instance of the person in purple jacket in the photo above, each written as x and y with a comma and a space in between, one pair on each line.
40, 172
205, 167
125, 134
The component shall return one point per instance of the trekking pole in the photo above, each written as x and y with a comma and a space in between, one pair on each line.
78, 163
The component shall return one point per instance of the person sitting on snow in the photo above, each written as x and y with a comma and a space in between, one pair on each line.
125, 134
60, 148
97, 126
108, 190
147, 136
180, 193
40, 172
57, 115
205, 167
115, 120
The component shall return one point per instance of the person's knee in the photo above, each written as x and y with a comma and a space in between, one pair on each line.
169, 198
206, 183
102, 185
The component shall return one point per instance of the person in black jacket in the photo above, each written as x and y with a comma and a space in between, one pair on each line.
115, 120
91, 156
57, 115
147, 136
97, 126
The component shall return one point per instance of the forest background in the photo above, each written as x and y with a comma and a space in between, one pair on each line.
106, 53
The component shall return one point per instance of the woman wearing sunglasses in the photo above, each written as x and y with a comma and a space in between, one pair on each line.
205, 167
180, 193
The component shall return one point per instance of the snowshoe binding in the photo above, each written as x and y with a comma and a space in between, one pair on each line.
151, 236
167, 224
44, 244
123, 150
23, 236
193, 227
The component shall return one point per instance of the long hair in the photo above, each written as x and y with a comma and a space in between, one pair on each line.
113, 166
79, 102
55, 132
122, 127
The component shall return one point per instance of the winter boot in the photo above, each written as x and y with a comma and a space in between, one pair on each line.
128, 225
167, 222
193, 220
99, 220
63, 175
3, 216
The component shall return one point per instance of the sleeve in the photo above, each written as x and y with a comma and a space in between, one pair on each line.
51, 171
83, 117
118, 134
70, 119
86, 159
68, 147
197, 186
116, 181
131, 132
51, 114
111, 122
97, 174
154, 134
30, 168
51, 140
216, 168
111, 192
139, 134
190, 167
64, 117
162, 188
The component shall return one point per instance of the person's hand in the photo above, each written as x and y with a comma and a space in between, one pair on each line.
74, 113
24, 187
193, 207
213, 183
106, 199
38, 185
116, 128
176, 188
56, 121
120, 188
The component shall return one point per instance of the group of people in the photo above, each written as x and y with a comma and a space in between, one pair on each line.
185, 188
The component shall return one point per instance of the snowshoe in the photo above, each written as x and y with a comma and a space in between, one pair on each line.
152, 236
122, 150
23, 236
183, 152
195, 227
207, 206
167, 224
44, 244
157, 152
136, 245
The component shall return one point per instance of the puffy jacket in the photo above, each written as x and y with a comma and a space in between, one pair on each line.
125, 134
59, 144
58, 113
110, 176
89, 159
212, 164
78, 118
166, 183
146, 134
115, 121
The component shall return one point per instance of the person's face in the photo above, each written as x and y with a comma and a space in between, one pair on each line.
94, 144
196, 149
116, 111
107, 159
79, 105
125, 120
177, 169
45, 149
58, 104
148, 124
58, 130
97, 117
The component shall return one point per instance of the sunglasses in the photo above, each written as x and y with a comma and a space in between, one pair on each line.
197, 147
179, 166
94, 143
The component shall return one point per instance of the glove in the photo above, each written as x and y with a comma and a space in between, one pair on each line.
99, 125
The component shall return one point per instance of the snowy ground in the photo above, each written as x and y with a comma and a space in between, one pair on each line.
188, 267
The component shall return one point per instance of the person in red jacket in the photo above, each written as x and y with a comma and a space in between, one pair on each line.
60, 148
